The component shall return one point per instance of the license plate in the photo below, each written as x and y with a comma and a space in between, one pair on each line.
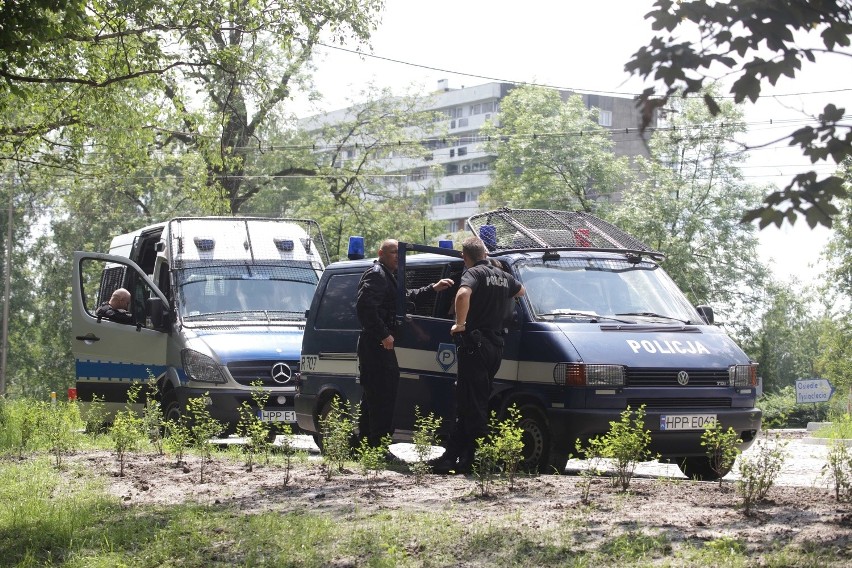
277, 415
686, 421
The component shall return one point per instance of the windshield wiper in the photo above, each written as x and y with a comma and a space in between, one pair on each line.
571, 313
653, 315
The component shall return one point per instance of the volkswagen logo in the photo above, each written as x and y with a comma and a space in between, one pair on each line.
682, 378
281, 373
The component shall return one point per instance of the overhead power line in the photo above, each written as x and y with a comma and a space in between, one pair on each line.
516, 82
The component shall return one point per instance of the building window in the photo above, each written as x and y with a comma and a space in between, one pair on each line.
463, 151
605, 117
462, 122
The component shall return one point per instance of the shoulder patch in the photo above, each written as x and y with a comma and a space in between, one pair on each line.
376, 267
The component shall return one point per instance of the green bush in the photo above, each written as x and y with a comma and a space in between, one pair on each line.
781, 411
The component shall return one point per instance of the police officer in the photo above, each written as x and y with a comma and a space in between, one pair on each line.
376, 309
485, 293
116, 308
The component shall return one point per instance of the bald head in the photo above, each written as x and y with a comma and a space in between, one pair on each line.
120, 299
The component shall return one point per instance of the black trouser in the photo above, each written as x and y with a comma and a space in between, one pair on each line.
379, 372
480, 353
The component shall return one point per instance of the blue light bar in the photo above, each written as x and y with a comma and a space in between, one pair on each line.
488, 234
285, 245
356, 248
204, 244
445, 244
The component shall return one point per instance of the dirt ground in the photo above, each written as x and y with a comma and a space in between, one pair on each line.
800, 509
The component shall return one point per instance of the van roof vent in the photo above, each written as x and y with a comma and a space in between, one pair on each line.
507, 229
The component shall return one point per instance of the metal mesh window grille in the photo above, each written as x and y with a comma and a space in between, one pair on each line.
518, 229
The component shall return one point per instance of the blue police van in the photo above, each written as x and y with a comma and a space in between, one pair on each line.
602, 328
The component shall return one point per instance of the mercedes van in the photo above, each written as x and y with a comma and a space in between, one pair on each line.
218, 304
601, 328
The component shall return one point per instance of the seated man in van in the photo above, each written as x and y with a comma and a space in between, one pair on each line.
116, 308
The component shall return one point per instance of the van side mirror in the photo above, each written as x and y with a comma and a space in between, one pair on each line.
706, 313
160, 317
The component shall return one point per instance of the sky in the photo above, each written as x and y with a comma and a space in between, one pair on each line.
581, 46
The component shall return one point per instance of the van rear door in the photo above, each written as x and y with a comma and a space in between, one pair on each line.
111, 356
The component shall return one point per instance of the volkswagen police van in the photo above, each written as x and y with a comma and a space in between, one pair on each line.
218, 303
601, 328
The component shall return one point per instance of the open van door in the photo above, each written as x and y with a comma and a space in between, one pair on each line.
111, 356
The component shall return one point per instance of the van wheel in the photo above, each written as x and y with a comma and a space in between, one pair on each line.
536, 439
354, 441
699, 468
171, 407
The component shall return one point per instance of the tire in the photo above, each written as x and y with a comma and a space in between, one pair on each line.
354, 442
172, 409
699, 468
536, 437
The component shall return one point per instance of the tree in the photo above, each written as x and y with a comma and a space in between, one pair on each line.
216, 73
755, 41
839, 249
687, 204
551, 154
785, 344
369, 178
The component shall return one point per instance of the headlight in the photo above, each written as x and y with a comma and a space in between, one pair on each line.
742, 375
200, 367
580, 375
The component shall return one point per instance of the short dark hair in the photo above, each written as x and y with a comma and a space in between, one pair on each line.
474, 248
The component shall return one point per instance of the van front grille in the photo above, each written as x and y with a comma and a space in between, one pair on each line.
679, 402
668, 377
247, 372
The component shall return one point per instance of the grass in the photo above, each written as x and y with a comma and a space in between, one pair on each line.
839, 429
49, 521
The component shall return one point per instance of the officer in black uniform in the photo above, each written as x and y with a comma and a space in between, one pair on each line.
116, 308
484, 295
376, 309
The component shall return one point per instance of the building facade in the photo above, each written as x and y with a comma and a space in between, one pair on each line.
459, 155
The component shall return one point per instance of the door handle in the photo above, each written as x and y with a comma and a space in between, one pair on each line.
88, 337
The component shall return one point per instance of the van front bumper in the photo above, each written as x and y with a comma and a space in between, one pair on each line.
224, 404
569, 424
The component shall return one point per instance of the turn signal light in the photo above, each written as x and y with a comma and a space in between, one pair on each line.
582, 375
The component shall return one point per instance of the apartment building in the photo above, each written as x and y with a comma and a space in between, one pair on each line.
459, 154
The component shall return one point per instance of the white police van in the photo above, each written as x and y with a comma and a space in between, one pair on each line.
601, 328
219, 303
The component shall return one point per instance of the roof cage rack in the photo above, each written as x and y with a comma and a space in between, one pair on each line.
506, 229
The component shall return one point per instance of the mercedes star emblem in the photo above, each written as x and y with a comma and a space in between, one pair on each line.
281, 373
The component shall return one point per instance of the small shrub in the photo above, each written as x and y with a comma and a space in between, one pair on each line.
840, 428
127, 428
252, 428
177, 437
96, 416
759, 471
425, 436
373, 459
59, 430
338, 428
502, 450
152, 415
626, 444
203, 428
594, 468
838, 470
721, 448
287, 448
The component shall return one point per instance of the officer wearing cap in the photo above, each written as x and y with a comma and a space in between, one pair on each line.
484, 295
376, 309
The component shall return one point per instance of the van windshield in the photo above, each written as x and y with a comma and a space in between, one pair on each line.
614, 289
282, 291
